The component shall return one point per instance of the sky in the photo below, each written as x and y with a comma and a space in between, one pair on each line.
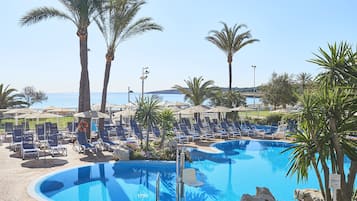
46, 55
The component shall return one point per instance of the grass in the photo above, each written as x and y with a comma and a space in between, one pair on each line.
257, 114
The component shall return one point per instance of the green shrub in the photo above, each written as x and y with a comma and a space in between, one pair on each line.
136, 155
273, 118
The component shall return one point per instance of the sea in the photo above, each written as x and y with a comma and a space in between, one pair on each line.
70, 100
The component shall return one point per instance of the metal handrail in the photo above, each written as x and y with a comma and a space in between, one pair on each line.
158, 187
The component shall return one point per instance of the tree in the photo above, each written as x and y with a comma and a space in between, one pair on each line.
279, 91
148, 115
227, 99
339, 65
230, 41
10, 99
80, 13
197, 91
166, 122
32, 96
117, 24
304, 80
338, 84
329, 120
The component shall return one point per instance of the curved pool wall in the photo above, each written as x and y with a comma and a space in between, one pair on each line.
123, 180
239, 168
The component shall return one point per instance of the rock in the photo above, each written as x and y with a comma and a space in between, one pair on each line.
121, 154
308, 195
262, 194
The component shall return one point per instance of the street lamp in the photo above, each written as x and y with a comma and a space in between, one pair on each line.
129, 92
144, 75
253, 66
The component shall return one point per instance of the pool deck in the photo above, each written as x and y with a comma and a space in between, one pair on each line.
17, 174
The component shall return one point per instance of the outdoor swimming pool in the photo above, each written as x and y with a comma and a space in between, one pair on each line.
243, 165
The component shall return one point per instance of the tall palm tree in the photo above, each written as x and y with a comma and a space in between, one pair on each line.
80, 13
8, 98
148, 114
230, 41
304, 79
117, 24
197, 90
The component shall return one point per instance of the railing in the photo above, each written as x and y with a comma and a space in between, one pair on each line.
158, 187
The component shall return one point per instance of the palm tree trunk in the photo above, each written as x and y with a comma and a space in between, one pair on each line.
108, 65
162, 138
339, 159
317, 172
84, 90
147, 137
348, 191
229, 60
327, 182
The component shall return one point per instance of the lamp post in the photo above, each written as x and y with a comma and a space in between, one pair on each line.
144, 75
129, 92
253, 66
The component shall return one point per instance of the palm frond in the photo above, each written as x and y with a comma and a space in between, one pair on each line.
39, 14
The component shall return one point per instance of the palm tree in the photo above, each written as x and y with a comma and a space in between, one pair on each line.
334, 111
230, 41
310, 140
197, 91
117, 24
339, 65
304, 79
8, 99
80, 13
148, 115
166, 121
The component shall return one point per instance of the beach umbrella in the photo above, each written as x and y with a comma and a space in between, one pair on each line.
91, 114
219, 109
195, 109
124, 113
39, 115
18, 111
61, 110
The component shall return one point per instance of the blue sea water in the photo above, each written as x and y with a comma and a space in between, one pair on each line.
70, 100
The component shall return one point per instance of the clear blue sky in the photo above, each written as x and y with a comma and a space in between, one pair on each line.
46, 55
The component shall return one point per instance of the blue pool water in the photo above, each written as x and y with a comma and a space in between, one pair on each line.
239, 168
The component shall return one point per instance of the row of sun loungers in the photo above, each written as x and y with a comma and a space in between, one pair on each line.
30, 143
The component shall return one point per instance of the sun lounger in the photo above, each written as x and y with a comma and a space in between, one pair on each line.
16, 138
55, 147
106, 142
186, 132
40, 134
204, 135
83, 143
28, 147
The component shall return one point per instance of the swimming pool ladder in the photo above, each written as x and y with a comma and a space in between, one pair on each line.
158, 187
